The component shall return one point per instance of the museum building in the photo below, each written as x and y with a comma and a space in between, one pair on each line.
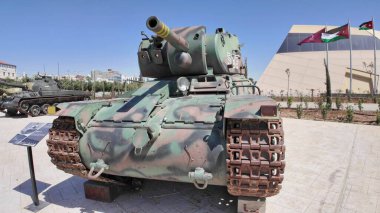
7, 70
306, 63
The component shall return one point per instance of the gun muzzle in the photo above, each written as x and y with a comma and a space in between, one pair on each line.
163, 31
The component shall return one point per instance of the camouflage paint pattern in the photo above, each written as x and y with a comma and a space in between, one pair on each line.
164, 133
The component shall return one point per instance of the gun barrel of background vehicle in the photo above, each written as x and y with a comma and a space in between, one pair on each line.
18, 85
163, 31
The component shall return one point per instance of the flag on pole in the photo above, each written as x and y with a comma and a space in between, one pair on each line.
366, 25
314, 38
336, 34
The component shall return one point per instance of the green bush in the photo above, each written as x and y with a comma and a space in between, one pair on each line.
328, 106
290, 101
349, 114
360, 104
338, 102
306, 101
378, 117
299, 111
324, 110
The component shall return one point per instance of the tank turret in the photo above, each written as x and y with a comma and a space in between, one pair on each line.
188, 51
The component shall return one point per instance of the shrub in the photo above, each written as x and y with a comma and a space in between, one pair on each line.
328, 106
299, 111
338, 102
290, 101
324, 110
378, 117
306, 101
360, 104
349, 114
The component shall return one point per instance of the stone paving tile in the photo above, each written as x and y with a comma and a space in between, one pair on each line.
319, 206
361, 202
328, 168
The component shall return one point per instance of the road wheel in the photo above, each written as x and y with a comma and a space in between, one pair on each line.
24, 107
44, 108
34, 110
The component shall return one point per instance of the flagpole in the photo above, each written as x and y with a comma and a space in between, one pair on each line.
349, 31
374, 56
327, 50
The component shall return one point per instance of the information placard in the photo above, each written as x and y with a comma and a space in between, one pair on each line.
31, 135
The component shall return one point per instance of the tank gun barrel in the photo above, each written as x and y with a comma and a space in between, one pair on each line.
18, 85
163, 31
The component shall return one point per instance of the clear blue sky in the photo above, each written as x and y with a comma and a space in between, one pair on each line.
91, 34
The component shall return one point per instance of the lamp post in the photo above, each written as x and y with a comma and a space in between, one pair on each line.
288, 73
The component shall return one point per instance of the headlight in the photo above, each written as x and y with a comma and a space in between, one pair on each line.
183, 84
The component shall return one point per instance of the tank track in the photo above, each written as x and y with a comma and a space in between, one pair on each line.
255, 157
63, 148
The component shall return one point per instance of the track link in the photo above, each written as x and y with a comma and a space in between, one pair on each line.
255, 157
63, 148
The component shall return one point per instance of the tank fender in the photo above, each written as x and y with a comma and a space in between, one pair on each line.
82, 112
250, 107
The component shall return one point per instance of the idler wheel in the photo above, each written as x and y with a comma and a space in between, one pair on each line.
35, 110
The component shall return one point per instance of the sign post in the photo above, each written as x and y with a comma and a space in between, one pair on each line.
30, 136
32, 177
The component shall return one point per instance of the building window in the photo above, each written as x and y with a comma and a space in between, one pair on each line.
13, 75
9, 74
3, 73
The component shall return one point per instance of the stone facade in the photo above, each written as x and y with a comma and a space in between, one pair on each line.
7, 70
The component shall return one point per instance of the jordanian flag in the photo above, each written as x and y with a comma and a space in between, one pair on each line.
315, 38
336, 34
366, 25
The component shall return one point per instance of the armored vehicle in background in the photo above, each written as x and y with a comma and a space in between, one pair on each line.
37, 96
200, 121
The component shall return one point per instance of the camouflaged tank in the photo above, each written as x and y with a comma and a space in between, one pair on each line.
36, 96
200, 121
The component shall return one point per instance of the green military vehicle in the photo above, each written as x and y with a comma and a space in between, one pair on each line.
34, 98
200, 121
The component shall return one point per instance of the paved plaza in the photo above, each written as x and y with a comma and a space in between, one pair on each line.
330, 167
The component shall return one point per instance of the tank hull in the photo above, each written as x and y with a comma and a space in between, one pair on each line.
170, 157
